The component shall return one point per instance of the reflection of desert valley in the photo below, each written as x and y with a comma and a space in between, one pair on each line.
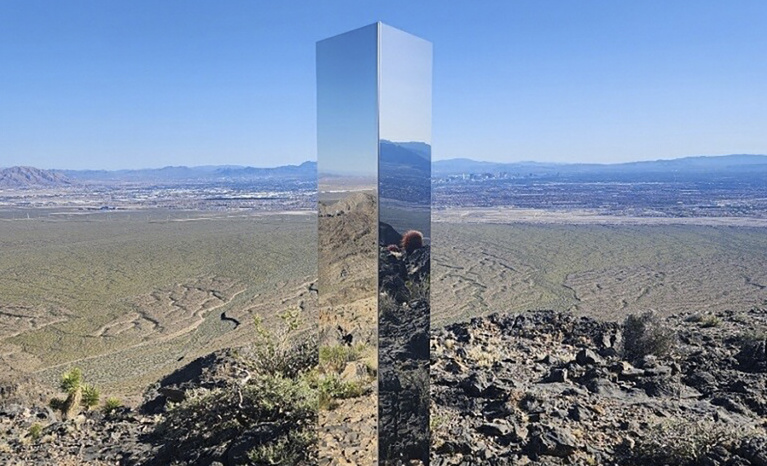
580, 313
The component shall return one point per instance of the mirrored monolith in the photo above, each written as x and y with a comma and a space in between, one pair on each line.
404, 197
347, 165
374, 168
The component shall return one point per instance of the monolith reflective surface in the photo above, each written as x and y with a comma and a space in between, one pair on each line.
374, 168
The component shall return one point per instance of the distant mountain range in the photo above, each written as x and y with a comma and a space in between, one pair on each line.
698, 165
740, 164
202, 173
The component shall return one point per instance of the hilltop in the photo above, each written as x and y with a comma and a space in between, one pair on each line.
542, 388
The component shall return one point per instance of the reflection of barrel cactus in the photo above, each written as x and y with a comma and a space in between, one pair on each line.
412, 240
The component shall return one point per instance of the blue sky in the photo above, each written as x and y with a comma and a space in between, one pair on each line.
108, 84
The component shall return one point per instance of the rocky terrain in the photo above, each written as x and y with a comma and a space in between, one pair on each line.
403, 368
548, 388
543, 388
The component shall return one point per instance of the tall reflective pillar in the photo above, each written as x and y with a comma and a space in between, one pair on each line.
374, 168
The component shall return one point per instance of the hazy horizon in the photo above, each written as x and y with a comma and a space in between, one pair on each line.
236, 166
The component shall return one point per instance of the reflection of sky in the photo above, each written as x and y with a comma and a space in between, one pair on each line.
346, 103
405, 86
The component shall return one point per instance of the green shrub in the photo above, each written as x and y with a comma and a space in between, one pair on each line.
278, 400
208, 418
288, 450
646, 334
332, 388
334, 358
281, 349
78, 393
111, 404
35, 430
90, 396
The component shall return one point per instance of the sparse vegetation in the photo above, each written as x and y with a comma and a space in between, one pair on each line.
275, 350
111, 404
332, 388
646, 334
35, 431
705, 320
72, 384
334, 358
419, 289
680, 443
276, 402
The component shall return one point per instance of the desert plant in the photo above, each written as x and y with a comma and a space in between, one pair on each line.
288, 450
78, 393
680, 443
72, 384
276, 403
419, 289
281, 349
393, 248
705, 320
645, 334
412, 240
111, 404
333, 358
35, 430
332, 388
72, 380
90, 396
282, 409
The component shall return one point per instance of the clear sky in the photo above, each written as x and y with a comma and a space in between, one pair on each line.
128, 84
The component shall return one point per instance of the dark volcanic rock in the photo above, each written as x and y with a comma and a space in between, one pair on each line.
581, 404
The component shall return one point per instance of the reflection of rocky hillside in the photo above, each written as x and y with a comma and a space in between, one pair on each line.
403, 336
347, 247
347, 254
348, 322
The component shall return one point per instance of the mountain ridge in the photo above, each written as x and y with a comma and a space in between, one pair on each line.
21, 177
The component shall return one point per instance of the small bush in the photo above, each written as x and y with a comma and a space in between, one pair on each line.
287, 406
276, 350
334, 358
646, 334
288, 450
681, 443
275, 406
111, 404
35, 431
331, 389
705, 320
